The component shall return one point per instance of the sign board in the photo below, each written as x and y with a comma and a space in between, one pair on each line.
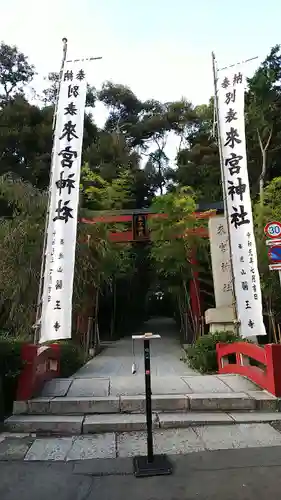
272, 243
273, 230
275, 267
140, 230
274, 254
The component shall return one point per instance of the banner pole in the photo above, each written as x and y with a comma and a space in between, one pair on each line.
216, 105
37, 325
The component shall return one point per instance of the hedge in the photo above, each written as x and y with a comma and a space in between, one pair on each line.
202, 355
72, 358
11, 366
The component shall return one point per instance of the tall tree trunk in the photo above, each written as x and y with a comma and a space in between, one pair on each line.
182, 316
188, 311
88, 337
113, 316
180, 313
160, 177
96, 328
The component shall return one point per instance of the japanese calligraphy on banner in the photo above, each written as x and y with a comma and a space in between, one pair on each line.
62, 225
243, 246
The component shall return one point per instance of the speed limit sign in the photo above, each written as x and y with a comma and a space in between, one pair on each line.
273, 230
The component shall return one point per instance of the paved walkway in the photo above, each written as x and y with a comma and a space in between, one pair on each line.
243, 474
166, 354
110, 373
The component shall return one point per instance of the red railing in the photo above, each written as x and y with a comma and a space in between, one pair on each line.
40, 365
268, 376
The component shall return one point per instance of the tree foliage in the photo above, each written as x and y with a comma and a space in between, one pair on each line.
15, 72
173, 242
21, 237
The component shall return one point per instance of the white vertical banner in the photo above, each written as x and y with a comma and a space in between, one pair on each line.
231, 89
56, 317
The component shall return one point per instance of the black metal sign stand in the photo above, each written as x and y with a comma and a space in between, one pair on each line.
149, 465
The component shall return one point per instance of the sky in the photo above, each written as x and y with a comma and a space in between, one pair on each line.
161, 49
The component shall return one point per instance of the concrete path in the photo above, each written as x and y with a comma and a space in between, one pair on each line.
110, 373
240, 474
166, 354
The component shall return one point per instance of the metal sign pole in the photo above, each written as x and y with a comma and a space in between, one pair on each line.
149, 465
273, 231
146, 346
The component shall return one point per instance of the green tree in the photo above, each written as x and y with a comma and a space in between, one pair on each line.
111, 263
21, 239
263, 102
198, 163
15, 72
26, 141
173, 240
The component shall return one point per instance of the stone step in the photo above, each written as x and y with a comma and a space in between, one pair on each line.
88, 450
92, 424
257, 400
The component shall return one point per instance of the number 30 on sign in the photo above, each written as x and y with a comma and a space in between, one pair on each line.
273, 230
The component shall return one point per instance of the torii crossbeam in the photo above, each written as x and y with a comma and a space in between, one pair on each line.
138, 218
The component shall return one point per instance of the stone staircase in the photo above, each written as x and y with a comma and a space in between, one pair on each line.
100, 405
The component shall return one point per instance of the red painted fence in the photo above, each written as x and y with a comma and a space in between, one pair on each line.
268, 376
40, 365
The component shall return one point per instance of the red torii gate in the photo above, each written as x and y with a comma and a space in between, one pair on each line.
139, 232
49, 356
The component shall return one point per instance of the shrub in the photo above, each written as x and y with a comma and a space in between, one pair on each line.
72, 358
10, 368
202, 355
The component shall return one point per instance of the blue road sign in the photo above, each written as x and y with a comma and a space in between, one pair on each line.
274, 254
